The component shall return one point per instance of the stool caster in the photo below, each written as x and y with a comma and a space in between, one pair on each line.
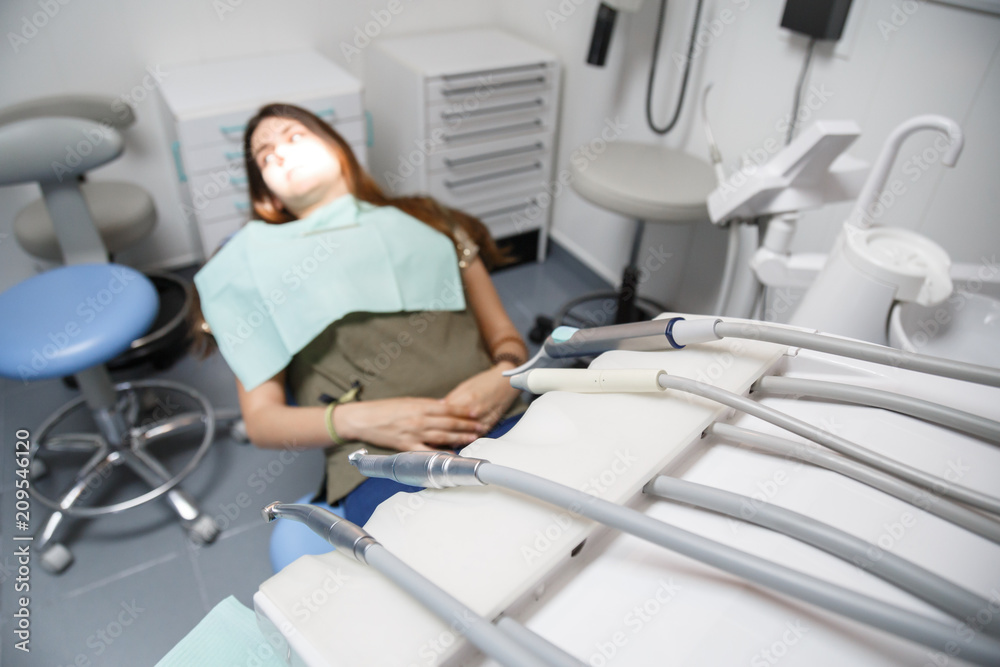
203, 530
56, 558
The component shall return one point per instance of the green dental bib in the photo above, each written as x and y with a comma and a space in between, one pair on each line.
274, 287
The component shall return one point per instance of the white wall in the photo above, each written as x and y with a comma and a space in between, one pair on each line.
941, 59
105, 46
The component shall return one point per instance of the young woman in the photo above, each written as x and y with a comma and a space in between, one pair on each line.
403, 379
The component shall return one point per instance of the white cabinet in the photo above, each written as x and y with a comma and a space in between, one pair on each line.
206, 107
468, 117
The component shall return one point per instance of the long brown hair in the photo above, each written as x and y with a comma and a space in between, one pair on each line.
359, 183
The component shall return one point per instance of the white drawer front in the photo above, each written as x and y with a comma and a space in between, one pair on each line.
469, 188
228, 128
461, 158
514, 214
459, 117
492, 84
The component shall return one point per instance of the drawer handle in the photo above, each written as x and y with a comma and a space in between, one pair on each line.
472, 180
232, 129
507, 209
326, 112
516, 83
238, 180
494, 130
502, 108
461, 162
493, 72
233, 155
241, 206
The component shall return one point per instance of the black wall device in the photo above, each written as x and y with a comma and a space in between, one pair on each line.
819, 19
601, 39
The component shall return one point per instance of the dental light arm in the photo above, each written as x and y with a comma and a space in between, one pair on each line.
804, 587
349, 538
676, 332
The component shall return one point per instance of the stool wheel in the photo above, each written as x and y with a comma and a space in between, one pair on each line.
203, 530
56, 558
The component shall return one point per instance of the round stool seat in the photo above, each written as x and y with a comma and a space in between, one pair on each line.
122, 212
71, 318
647, 182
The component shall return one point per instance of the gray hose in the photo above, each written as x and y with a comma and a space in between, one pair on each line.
855, 349
941, 507
834, 442
981, 427
483, 634
353, 540
862, 608
910, 577
550, 653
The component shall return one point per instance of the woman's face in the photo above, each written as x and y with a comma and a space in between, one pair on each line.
300, 168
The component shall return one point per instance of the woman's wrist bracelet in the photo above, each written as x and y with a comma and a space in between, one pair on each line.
515, 359
337, 440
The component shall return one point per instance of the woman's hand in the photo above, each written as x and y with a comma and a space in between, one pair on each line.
485, 396
406, 424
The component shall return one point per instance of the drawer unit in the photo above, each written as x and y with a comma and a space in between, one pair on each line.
207, 106
480, 106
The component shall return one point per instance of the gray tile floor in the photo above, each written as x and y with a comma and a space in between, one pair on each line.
138, 584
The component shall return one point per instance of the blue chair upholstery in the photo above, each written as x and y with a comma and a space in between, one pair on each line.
55, 328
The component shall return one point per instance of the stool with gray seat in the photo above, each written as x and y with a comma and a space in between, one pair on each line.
49, 333
647, 183
122, 212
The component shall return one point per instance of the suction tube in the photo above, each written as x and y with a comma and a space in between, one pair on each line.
908, 576
349, 538
862, 608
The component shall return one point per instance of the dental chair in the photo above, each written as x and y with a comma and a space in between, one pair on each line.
73, 320
646, 183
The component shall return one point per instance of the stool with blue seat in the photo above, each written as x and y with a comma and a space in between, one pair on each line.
72, 320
